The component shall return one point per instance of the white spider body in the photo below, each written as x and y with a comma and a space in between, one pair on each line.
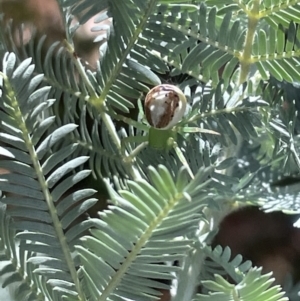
164, 106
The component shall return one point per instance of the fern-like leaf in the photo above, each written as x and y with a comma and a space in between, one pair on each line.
37, 181
254, 286
219, 262
159, 215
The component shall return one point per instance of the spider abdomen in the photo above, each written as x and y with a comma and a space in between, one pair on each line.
164, 106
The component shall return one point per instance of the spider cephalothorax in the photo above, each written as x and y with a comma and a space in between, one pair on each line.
164, 106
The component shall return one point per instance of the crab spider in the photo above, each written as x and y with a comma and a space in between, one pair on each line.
164, 107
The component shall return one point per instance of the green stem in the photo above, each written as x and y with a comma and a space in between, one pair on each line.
137, 247
81, 70
44, 187
245, 59
100, 107
192, 264
188, 278
119, 65
99, 101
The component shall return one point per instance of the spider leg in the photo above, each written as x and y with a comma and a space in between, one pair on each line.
126, 146
140, 123
132, 122
196, 130
181, 156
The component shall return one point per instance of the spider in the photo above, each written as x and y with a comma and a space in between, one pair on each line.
164, 108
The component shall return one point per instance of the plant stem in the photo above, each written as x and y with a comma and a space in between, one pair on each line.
188, 278
132, 41
245, 59
192, 264
12, 95
100, 107
80, 69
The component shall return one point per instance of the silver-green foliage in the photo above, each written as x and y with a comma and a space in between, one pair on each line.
57, 126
